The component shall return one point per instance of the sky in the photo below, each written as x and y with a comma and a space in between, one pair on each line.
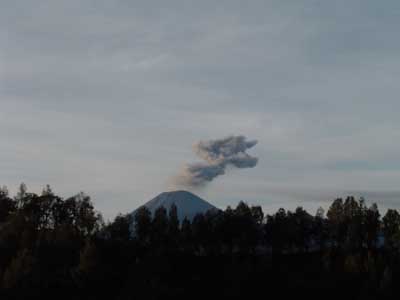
108, 97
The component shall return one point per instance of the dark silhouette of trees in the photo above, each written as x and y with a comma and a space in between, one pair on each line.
372, 226
142, 225
352, 225
173, 223
336, 219
391, 228
278, 232
302, 229
320, 233
120, 229
52, 247
7, 205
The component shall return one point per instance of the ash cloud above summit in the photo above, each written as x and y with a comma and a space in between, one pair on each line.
218, 155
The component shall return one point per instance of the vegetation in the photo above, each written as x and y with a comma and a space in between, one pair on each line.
56, 248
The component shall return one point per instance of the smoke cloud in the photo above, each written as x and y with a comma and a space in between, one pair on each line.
218, 155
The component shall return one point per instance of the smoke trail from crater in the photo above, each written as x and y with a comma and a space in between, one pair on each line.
218, 155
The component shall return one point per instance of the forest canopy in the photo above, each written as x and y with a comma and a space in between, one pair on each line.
49, 245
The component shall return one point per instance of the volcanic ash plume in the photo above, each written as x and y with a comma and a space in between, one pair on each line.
217, 156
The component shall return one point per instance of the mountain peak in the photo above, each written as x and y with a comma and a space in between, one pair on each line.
187, 203
179, 194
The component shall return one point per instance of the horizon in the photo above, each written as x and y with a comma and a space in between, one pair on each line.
109, 98
271, 209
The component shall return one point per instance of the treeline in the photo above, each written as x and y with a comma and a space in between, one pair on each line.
61, 248
349, 226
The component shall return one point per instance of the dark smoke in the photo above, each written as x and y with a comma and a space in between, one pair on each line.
218, 155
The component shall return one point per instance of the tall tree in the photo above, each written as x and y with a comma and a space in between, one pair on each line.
142, 225
173, 221
7, 204
302, 223
320, 230
336, 219
391, 228
186, 235
372, 226
277, 231
120, 229
159, 227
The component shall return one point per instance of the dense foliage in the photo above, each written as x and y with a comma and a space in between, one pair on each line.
56, 248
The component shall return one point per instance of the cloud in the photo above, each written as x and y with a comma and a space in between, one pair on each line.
218, 155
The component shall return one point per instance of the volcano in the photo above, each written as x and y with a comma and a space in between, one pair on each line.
187, 203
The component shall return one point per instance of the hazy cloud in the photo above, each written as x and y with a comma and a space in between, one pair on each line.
218, 154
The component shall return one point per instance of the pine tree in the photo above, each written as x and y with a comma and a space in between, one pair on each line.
142, 225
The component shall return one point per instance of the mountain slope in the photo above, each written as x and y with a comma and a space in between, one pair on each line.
188, 204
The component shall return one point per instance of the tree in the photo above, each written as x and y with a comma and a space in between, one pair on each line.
142, 225
277, 230
120, 229
391, 228
173, 221
86, 220
245, 225
47, 191
302, 223
372, 225
336, 220
320, 213
22, 190
354, 221
186, 234
257, 214
320, 230
160, 226
199, 233
7, 205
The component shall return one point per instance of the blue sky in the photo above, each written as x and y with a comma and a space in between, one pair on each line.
108, 97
